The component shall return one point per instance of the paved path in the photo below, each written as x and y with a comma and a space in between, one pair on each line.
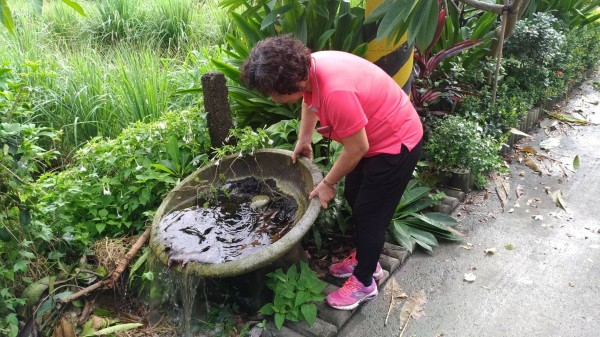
547, 285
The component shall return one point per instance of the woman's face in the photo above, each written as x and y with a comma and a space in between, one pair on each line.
304, 85
288, 98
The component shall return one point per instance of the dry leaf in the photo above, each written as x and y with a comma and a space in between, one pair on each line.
501, 190
490, 251
558, 200
529, 150
519, 133
532, 165
519, 191
414, 307
469, 277
63, 329
550, 143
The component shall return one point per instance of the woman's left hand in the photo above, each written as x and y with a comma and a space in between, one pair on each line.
324, 192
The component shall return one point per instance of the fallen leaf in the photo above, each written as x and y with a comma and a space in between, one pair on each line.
509, 246
511, 210
558, 200
468, 246
519, 191
550, 143
529, 150
500, 190
532, 165
414, 307
519, 133
64, 329
548, 123
576, 163
469, 277
490, 251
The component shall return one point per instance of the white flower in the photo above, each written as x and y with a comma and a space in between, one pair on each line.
241, 154
217, 163
106, 190
270, 142
162, 125
82, 168
139, 167
127, 147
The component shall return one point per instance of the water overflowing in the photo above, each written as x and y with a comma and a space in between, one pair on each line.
220, 225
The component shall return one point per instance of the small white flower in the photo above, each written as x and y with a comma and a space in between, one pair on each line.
217, 163
162, 125
139, 167
241, 154
138, 138
106, 190
82, 168
270, 142
127, 147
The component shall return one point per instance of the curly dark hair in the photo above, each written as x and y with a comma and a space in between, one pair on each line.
276, 65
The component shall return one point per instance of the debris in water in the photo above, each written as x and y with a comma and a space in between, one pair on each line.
228, 223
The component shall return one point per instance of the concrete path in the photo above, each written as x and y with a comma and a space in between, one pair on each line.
544, 277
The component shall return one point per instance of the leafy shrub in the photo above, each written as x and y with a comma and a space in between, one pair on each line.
321, 25
25, 152
533, 56
410, 226
295, 294
496, 120
115, 184
458, 145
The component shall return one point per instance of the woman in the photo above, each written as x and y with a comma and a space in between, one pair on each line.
359, 105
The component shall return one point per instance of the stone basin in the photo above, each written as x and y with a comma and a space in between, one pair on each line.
296, 180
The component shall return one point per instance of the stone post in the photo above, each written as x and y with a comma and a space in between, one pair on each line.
218, 112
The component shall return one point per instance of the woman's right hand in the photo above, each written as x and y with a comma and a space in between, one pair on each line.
303, 149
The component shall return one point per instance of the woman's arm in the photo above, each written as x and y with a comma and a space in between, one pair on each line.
308, 121
355, 147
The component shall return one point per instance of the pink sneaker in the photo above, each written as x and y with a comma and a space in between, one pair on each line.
346, 268
351, 294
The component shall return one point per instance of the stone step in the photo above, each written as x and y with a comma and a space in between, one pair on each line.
329, 321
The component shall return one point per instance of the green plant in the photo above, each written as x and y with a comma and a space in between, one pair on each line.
574, 13
175, 21
295, 294
319, 24
26, 151
409, 226
458, 145
116, 20
496, 120
534, 54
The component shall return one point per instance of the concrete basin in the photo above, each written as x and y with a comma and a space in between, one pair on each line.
296, 180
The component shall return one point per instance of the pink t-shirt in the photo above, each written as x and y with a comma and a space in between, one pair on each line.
349, 93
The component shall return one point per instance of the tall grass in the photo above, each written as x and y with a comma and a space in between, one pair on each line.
174, 21
95, 75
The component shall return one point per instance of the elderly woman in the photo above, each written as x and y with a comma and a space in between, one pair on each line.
358, 105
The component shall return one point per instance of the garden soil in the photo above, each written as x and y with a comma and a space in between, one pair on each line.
530, 262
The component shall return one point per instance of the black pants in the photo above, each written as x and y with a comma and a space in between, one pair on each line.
373, 190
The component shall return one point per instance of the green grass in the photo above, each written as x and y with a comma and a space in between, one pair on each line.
119, 64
